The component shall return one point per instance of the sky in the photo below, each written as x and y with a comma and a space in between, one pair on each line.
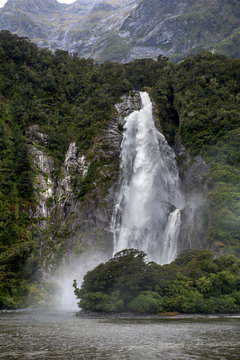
2, 2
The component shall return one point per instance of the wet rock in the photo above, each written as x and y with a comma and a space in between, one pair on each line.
129, 103
43, 167
82, 226
195, 215
35, 135
75, 164
42, 161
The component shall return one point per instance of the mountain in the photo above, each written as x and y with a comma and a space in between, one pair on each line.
84, 27
61, 127
181, 27
128, 29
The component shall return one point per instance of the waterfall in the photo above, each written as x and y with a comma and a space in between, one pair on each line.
147, 212
170, 236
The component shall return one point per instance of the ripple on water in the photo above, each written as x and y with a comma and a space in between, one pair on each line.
36, 335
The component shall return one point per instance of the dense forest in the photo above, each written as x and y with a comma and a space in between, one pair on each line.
72, 99
194, 282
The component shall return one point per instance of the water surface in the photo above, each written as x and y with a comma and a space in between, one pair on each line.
54, 335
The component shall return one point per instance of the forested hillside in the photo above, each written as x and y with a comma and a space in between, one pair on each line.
72, 99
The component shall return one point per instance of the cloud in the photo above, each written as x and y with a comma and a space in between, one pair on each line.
2, 2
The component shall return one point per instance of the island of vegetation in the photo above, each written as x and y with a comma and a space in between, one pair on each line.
194, 283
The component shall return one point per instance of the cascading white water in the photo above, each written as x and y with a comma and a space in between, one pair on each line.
147, 215
170, 237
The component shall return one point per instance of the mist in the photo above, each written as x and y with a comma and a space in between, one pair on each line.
71, 269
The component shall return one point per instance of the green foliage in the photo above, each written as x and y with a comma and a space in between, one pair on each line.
206, 91
17, 267
196, 283
182, 296
198, 100
146, 302
86, 184
121, 278
72, 99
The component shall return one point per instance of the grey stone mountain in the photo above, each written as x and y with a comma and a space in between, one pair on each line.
36, 7
127, 29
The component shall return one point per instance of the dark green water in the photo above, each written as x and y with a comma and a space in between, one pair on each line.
45, 335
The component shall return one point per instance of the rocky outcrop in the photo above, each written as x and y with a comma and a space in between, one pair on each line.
43, 167
195, 215
176, 28
67, 225
75, 164
44, 185
89, 221
130, 103
35, 135
35, 7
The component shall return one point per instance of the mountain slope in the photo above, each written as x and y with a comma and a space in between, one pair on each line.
60, 136
81, 27
128, 29
181, 27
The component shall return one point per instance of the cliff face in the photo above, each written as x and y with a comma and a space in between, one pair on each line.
61, 136
125, 30
69, 226
180, 27
195, 215
84, 27
35, 7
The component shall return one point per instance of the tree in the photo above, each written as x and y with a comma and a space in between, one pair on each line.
124, 275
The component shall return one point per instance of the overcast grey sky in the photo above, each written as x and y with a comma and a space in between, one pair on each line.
2, 2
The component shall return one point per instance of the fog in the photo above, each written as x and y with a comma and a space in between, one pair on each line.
73, 268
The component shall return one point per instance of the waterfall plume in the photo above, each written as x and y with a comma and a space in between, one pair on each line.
147, 212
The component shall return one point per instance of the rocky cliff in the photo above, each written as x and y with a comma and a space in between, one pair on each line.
125, 30
176, 28
59, 154
68, 226
195, 215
